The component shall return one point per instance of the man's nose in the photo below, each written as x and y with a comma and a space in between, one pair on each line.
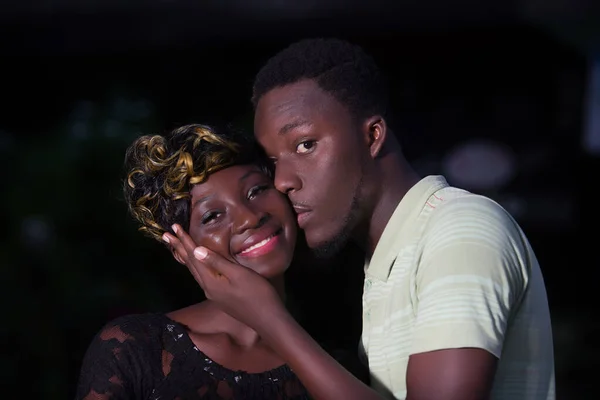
286, 179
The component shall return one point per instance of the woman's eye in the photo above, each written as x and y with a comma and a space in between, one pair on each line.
209, 217
305, 147
256, 190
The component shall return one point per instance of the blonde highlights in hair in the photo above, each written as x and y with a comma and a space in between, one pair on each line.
162, 170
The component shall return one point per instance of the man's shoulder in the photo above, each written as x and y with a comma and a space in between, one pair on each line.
466, 222
452, 198
461, 209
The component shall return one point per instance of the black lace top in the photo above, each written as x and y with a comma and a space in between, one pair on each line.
149, 356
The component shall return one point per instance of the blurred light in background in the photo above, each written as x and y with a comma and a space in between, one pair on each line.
591, 135
480, 165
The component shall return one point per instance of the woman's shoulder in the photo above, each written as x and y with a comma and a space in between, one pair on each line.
147, 328
124, 353
197, 318
139, 334
131, 326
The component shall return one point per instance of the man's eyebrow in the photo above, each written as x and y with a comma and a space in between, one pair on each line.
293, 125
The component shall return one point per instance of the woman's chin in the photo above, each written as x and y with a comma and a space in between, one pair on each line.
269, 273
269, 266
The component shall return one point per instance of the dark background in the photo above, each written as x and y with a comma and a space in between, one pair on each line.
80, 80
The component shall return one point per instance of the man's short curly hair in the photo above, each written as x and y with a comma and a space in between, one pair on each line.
161, 170
340, 68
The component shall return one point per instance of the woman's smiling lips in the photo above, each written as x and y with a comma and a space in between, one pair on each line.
258, 245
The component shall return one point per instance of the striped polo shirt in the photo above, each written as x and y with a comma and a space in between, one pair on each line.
453, 269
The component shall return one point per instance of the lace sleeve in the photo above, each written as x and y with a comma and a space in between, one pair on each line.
116, 363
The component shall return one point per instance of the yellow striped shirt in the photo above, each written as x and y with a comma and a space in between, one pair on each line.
453, 269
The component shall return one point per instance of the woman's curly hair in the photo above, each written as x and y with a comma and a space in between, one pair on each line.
161, 170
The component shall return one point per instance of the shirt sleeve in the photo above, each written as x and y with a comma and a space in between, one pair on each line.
472, 274
116, 363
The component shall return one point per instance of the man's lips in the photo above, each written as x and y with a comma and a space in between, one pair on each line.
300, 208
302, 218
302, 214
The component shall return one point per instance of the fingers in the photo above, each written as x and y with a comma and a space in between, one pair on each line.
215, 262
185, 239
183, 246
176, 247
209, 262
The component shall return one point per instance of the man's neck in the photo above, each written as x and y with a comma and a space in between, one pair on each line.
397, 178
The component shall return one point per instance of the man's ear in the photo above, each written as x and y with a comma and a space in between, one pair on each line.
375, 130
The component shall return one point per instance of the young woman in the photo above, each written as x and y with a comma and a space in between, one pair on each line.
214, 186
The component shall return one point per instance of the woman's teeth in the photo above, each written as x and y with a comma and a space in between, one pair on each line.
257, 245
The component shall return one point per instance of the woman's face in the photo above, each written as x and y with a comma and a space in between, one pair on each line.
239, 214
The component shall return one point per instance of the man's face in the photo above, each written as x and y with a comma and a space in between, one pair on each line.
319, 151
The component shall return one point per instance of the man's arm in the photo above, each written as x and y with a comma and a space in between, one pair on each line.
251, 299
322, 375
465, 374
471, 277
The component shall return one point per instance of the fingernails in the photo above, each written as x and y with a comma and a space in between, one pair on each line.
165, 238
175, 229
200, 253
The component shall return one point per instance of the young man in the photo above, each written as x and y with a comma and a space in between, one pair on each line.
454, 303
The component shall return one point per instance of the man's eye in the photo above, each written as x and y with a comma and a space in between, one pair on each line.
305, 147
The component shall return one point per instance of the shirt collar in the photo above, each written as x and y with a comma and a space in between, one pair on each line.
391, 239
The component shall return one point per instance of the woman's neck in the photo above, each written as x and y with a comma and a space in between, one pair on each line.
241, 333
